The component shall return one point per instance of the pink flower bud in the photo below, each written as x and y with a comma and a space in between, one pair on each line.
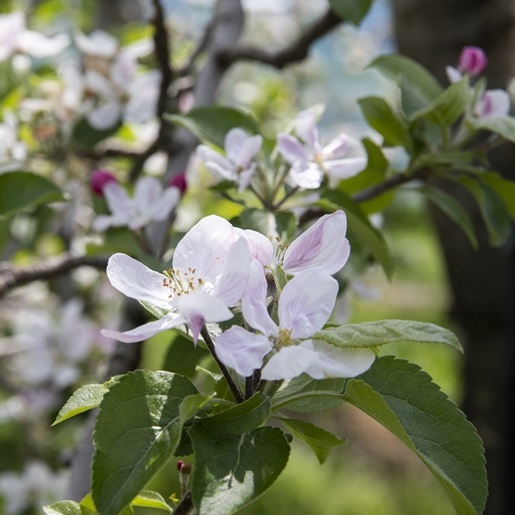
179, 181
183, 467
472, 61
99, 178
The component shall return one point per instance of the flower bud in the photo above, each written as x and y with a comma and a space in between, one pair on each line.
99, 178
179, 181
472, 61
183, 467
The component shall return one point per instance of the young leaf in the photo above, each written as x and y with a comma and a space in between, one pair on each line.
401, 397
211, 124
320, 440
19, 190
453, 209
502, 125
241, 418
63, 508
138, 428
304, 394
150, 499
85, 398
382, 332
495, 213
503, 187
232, 471
381, 117
352, 10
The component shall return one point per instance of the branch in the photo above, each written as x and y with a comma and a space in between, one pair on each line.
184, 506
295, 52
382, 187
12, 277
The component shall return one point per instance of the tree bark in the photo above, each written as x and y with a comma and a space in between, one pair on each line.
483, 281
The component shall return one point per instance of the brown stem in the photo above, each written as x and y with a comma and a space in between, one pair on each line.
185, 505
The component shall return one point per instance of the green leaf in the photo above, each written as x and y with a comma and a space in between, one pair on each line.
63, 508
445, 109
182, 356
503, 187
418, 81
138, 428
381, 117
401, 397
493, 209
320, 440
360, 227
241, 418
453, 209
352, 10
304, 394
382, 332
19, 190
86, 136
211, 124
150, 499
232, 471
85, 398
502, 125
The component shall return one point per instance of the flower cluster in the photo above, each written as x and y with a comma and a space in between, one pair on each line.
217, 267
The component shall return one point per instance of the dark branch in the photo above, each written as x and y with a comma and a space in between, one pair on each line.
295, 52
12, 277
382, 187
184, 506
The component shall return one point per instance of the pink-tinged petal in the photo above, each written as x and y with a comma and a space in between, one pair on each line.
245, 178
323, 245
260, 246
118, 201
136, 281
253, 304
453, 74
39, 45
103, 222
180, 182
146, 193
145, 331
306, 302
241, 350
495, 103
288, 363
201, 308
248, 151
215, 163
308, 176
291, 148
204, 248
340, 169
165, 204
231, 284
105, 116
306, 128
472, 60
338, 362
123, 70
340, 146
221, 172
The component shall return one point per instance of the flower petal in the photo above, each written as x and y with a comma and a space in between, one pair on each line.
165, 204
306, 302
260, 246
288, 363
204, 248
307, 176
495, 103
291, 148
105, 116
38, 45
339, 169
145, 331
231, 284
146, 194
253, 304
136, 281
340, 146
200, 308
338, 362
306, 128
242, 350
323, 245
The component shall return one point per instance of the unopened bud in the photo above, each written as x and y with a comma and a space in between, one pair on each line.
183, 467
472, 61
179, 181
99, 178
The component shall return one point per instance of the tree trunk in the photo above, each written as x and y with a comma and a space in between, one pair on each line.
483, 281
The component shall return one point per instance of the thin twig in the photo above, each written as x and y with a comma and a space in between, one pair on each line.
382, 187
297, 51
230, 381
13, 277
185, 505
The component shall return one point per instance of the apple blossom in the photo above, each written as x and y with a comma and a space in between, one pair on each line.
151, 203
472, 62
99, 178
310, 161
494, 103
323, 245
208, 275
304, 306
237, 165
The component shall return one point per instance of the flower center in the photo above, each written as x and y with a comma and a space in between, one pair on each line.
284, 339
182, 282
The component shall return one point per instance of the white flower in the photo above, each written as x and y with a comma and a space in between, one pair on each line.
10, 147
305, 305
208, 275
151, 203
15, 37
237, 166
495, 103
310, 161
